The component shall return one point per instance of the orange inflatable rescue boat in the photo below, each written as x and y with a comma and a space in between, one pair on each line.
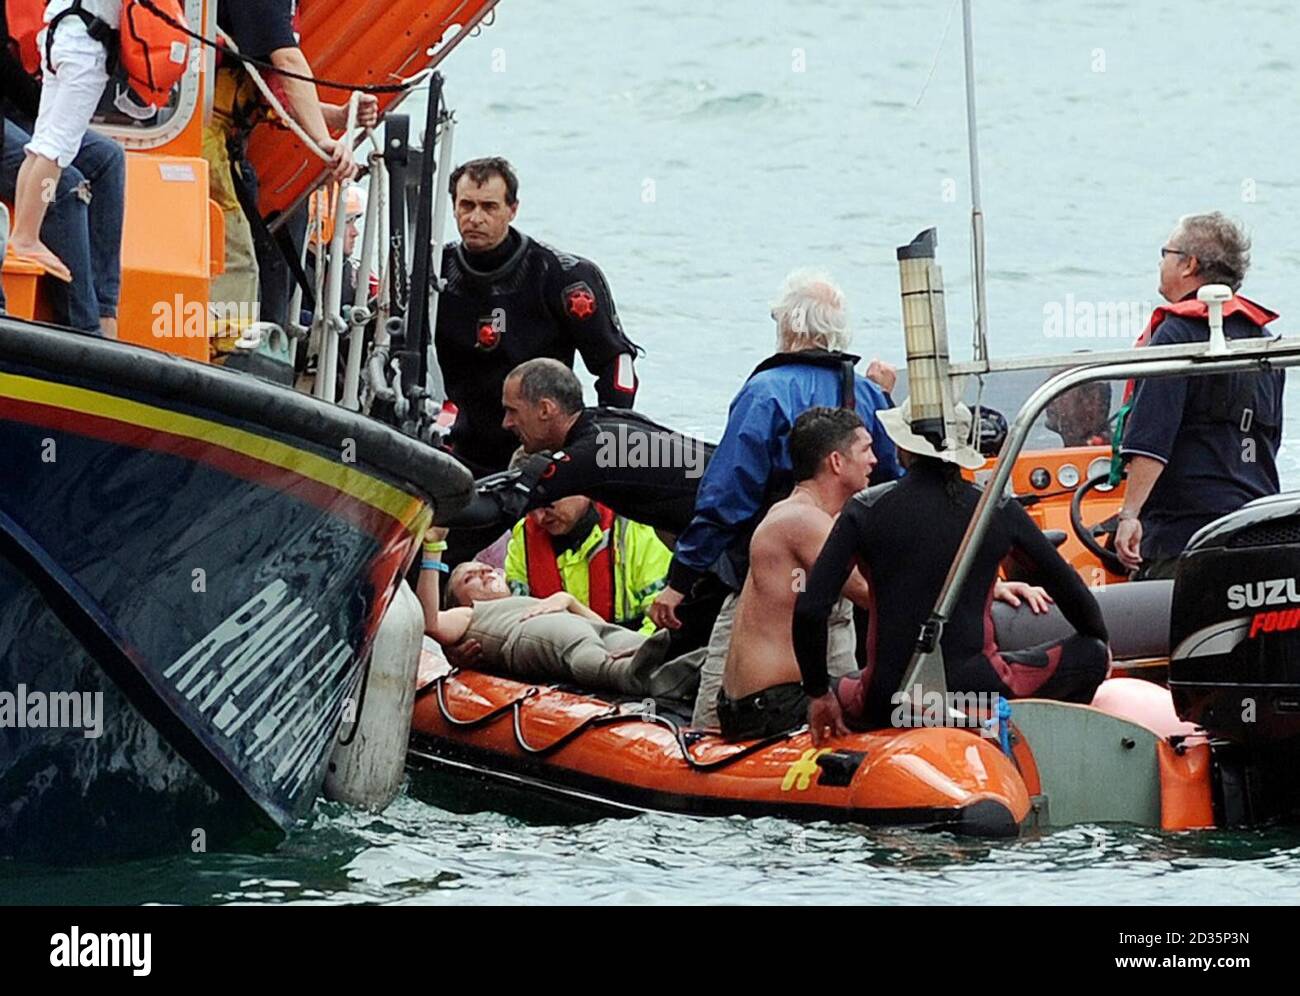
493, 742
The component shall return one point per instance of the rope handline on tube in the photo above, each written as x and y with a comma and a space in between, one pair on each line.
614, 716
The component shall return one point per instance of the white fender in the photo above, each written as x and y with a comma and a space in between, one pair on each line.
368, 763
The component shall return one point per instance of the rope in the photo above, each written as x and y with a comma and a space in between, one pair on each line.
275, 104
611, 718
934, 64
288, 119
361, 705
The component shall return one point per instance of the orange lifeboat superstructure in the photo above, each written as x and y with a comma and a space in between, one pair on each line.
385, 46
173, 234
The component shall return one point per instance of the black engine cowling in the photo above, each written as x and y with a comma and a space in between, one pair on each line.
1234, 666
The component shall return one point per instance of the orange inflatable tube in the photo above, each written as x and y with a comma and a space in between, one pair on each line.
583, 748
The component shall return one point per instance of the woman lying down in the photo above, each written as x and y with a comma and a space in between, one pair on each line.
534, 639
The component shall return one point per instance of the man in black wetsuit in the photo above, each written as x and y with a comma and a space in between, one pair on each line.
902, 536
508, 299
638, 468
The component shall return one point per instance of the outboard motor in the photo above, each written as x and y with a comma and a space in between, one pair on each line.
1234, 668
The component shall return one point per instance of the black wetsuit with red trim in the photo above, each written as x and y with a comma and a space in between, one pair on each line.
903, 536
637, 467
516, 302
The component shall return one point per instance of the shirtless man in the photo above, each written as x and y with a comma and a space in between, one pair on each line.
760, 693
830, 452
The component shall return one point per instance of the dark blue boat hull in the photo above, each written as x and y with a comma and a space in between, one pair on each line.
209, 556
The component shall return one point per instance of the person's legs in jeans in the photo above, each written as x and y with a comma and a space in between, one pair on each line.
65, 230
103, 164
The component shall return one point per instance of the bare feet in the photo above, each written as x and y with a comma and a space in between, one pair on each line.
108, 326
37, 252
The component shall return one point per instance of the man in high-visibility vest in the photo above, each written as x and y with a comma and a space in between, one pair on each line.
612, 565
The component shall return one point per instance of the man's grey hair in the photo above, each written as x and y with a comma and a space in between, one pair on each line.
810, 313
1220, 245
547, 378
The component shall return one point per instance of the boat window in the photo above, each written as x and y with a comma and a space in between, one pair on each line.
1072, 419
136, 126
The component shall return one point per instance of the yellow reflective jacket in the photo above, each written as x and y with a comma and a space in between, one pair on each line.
640, 568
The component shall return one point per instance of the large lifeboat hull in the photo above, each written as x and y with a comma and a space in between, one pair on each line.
583, 749
201, 560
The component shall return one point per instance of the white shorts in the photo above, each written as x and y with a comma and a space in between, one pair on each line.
71, 92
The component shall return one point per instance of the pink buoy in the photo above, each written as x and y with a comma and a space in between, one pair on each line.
1141, 702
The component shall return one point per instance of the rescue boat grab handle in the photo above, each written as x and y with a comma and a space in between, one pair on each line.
926, 667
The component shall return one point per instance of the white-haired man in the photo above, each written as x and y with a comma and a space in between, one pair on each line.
751, 468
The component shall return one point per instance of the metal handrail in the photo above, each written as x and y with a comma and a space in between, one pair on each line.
926, 667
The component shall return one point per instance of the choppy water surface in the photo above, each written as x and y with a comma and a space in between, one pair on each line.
418, 853
699, 152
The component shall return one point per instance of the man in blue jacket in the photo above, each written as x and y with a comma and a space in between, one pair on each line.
751, 469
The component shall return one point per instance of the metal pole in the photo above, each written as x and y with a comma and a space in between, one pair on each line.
333, 306
434, 383
418, 336
377, 364
927, 666
317, 338
359, 314
981, 344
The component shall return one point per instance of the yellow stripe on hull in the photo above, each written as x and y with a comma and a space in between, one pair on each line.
412, 513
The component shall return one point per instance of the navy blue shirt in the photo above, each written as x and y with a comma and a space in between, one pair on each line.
1217, 437
258, 27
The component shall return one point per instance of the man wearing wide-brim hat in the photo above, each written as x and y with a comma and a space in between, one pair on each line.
904, 536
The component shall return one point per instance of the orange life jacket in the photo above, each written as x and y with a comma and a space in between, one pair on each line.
1194, 308
152, 44
1258, 314
544, 572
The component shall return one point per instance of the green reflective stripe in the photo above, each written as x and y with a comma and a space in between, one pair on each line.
1117, 439
588, 553
650, 589
621, 568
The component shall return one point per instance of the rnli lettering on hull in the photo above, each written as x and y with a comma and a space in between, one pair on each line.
283, 639
1279, 591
